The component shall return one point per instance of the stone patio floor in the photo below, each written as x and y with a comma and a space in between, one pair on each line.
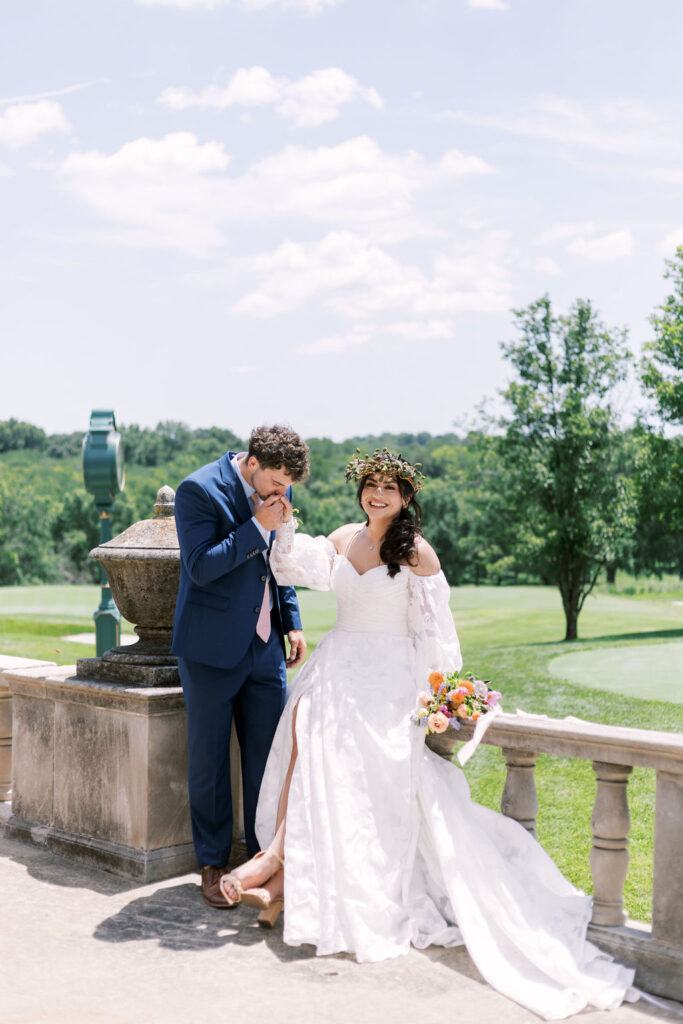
81, 946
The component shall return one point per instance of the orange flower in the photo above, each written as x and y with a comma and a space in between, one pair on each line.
456, 697
476, 715
466, 685
461, 711
435, 679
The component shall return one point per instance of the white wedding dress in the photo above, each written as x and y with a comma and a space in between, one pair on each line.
384, 846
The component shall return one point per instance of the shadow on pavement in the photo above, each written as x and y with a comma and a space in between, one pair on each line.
178, 918
46, 866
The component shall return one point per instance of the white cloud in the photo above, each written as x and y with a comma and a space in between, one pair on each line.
364, 334
317, 97
457, 163
426, 330
614, 246
651, 138
546, 265
581, 238
355, 277
5, 171
153, 188
306, 6
175, 191
353, 182
23, 123
248, 87
4, 100
565, 231
308, 101
669, 243
333, 344
489, 5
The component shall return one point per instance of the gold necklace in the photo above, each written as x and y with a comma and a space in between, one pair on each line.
371, 546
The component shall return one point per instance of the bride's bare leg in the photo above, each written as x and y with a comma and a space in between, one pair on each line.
265, 869
278, 844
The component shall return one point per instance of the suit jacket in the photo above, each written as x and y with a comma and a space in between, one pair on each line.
222, 570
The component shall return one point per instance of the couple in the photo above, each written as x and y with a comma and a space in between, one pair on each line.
372, 837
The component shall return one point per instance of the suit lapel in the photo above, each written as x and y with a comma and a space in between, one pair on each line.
233, 488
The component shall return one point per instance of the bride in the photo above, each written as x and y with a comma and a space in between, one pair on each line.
373, 837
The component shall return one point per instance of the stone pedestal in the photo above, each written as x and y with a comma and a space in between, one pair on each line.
100, 772
100, 753
127, 672
7, 662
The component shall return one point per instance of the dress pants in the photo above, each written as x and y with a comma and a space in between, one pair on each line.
254, 692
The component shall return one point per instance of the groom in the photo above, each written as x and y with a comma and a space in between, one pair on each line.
230, 623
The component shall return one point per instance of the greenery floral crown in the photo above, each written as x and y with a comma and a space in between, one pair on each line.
385, 463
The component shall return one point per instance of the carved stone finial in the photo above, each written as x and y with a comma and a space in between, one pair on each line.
165, 503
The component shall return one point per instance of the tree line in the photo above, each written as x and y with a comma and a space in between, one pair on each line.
556, 490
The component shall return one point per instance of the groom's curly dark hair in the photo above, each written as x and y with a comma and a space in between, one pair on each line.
279, 446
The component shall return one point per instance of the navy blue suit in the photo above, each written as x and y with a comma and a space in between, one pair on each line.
225, 668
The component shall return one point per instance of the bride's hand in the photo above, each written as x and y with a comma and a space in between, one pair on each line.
287, 509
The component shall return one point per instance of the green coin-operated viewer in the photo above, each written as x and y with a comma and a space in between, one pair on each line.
103, 473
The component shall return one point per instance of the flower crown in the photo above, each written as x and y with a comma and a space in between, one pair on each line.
385, 463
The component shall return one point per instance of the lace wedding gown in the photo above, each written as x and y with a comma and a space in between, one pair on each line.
384, 846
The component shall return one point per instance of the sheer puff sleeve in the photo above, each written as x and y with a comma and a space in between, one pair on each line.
299, 560
431, 625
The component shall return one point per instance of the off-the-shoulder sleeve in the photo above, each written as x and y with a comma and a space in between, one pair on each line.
300, 560
431, 624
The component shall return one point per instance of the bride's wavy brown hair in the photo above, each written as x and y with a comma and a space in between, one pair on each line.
399, 544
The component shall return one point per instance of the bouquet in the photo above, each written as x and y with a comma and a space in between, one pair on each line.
454, 699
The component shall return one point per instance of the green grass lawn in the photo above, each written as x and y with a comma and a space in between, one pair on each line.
514, 636
34, 621
651, 671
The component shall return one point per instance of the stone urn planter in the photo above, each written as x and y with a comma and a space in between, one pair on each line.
143, 569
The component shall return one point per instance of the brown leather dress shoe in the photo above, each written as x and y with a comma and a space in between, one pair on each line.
211, 889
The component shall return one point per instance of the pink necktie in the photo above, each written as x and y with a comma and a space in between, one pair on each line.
263, 623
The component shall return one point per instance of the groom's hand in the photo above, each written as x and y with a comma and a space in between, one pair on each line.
297, 648
271, 513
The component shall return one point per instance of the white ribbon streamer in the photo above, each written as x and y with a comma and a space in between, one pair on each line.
466, 751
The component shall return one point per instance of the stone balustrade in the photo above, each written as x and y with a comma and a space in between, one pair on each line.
657, 951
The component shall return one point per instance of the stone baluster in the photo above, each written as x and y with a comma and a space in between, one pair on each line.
519, 800
667, 895
611, 824
5, 741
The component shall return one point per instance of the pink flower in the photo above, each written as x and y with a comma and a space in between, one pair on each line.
424, 699
437, 722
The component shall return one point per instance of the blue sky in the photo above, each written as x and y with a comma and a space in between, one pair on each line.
322, 211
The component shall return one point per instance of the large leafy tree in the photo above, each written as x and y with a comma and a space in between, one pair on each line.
16, 434
560, 483
659, 545
662, 365
26, 555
